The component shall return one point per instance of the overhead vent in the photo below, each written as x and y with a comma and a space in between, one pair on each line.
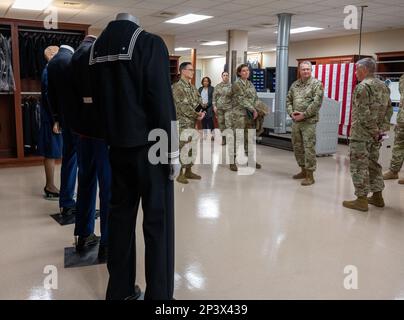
164, 14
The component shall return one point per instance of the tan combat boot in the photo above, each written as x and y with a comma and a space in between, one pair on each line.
309, 180
233, 167
401, 181
390, 175
360, 204
181, 178
190, 175
376, 199
301, 174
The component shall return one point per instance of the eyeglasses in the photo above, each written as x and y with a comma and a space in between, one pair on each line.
192, 70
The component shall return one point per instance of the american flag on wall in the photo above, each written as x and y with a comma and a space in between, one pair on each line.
339, 81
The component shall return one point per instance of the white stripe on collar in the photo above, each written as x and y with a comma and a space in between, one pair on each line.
116, 57
65, 46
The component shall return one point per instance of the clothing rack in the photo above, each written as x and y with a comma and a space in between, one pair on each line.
392, 61
390, 72
13, 145
78, 33
30, 93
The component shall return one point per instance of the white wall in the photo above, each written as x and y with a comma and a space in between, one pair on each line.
384, 41
213, 69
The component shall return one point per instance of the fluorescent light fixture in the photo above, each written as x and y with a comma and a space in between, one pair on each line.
182, 49
38, 5
213, 43
303, 29
211, 57
189, 18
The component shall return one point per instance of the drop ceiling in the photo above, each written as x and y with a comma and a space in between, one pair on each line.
258, 17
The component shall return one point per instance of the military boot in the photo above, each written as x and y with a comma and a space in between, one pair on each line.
301, 174
309, 180
390, 175
361, 204
181, 178
401, 181
223, 141
233, 167
190, 175
257, 165
376, 199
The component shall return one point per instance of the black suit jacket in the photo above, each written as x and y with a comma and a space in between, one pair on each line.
85, 115
130, 72
209, 110
60, 86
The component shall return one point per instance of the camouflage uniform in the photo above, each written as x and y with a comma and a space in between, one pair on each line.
371, 113
244, 98
262, 110
398, 149
306, 97
186, 99
222, 101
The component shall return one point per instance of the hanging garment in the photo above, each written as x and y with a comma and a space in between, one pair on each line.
32, 47
6, 70
31, 124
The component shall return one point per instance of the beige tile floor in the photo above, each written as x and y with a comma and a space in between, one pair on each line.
237, 237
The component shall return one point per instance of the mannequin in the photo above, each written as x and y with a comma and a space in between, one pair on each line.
65, 46
127, 16
126, 59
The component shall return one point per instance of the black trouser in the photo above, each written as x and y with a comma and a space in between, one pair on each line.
135, 178
208, 124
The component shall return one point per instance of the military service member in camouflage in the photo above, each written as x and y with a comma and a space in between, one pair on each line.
398, 149
243, 113
371, 113
304, 100
187, 99
222, 104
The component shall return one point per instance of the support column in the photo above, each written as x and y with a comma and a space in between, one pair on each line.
237, 46
282, 65
169, 41
193, 61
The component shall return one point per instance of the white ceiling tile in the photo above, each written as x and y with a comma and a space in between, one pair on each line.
23, 14
85, 16
4, 5
232, 7
200, 4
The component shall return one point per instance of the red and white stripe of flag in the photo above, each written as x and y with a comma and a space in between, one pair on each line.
339, 81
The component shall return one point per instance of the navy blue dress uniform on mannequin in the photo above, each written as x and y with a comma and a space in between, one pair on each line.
130, 73
92, 152
49, 143
60, 93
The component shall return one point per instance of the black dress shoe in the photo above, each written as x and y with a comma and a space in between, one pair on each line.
67, 212
102, 253
87, 242
136, 294
49, 195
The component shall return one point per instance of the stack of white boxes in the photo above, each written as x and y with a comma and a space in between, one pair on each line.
327, 127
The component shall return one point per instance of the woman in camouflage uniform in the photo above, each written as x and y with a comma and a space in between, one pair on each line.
244, 99
222, 104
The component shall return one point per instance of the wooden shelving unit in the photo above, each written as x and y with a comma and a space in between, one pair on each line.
11, 124
333, 59
390, 65
174, 65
